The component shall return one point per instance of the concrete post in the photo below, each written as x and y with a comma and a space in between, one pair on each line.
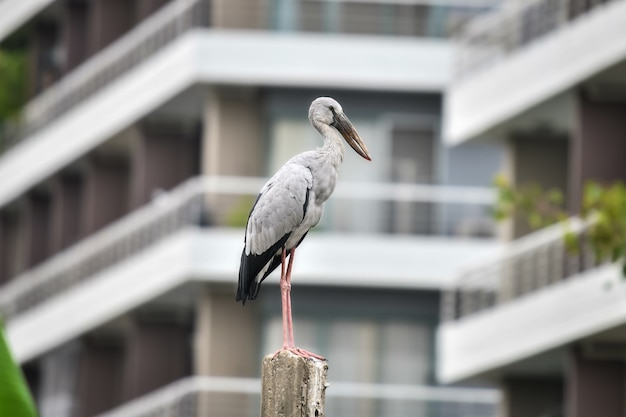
293, 386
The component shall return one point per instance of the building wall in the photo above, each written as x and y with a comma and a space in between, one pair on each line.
239, 14
598, 145
226, 335
232, 143
532, 396
595, 386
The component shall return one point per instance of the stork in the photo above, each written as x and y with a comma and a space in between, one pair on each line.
290, 204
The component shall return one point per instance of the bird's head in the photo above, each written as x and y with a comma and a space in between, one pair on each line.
327, 111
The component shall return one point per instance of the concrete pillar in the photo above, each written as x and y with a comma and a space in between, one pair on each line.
232, 133
4, 249
146, 7
595, 387
32, 375
100, 370
106, 192
536, 157
37, 224
231, 142
74, 31
66, 208
108, 20
226, 336
226, 343
599, 146
157, 352
13, 244
161, 162
240, 14
532, 397
43, 69
293, 385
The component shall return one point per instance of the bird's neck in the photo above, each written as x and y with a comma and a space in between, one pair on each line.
333, 147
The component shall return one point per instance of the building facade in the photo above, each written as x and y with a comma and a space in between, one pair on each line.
547, 80
147, 131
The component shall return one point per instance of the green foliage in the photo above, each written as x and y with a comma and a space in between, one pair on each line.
540, 208
605, 205
238, 216
13, 86
15, 398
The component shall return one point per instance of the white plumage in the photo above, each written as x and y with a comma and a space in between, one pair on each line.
290, 204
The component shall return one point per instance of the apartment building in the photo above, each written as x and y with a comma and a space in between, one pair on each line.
148, 130
545, 78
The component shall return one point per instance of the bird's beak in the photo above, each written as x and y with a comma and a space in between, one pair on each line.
349, 133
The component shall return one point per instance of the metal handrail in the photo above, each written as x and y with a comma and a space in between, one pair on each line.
187, 205
493, 37
525, 266
183, 398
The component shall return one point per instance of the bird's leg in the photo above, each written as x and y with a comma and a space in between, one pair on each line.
285, 289
286, 302
290, 342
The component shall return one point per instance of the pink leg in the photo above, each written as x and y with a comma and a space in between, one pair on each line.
285, 290
286, 301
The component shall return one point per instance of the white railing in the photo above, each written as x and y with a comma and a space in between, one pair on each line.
491, 38
527, 265
192, 204
240, 397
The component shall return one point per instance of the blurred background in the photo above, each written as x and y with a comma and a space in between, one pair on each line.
135, 134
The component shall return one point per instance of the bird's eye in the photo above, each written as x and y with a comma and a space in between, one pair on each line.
332, 108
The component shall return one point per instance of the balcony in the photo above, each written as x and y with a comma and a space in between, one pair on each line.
179, 17
528, 265
498, 36
172, 52
527, 303
532, 51
241, 397
14, 13
171, 241
145, 40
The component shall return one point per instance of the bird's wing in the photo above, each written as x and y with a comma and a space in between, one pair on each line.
279, 209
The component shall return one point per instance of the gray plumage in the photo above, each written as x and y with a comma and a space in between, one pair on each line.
291, 202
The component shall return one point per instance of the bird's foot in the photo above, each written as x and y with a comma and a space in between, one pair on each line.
299, 352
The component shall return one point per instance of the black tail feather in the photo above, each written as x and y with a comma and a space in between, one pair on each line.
251, 265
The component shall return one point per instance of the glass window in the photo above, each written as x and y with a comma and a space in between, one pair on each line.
385, 17
413, 162
363, 351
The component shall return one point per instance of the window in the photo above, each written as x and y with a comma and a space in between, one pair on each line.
412, 162
384, 17
363, 350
